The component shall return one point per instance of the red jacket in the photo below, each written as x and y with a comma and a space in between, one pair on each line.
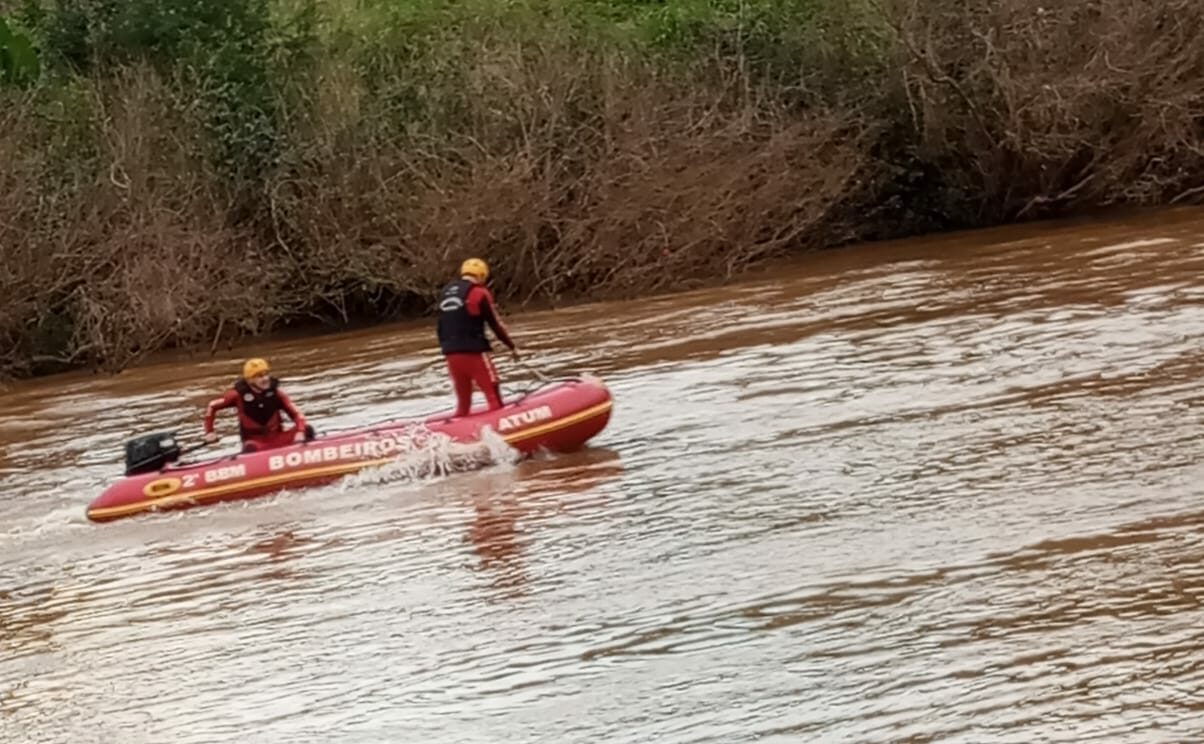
258, 411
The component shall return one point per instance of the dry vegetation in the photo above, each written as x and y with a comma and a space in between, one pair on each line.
1037, 108
163, 196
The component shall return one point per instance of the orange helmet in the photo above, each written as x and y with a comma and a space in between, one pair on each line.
255, 367
475, 268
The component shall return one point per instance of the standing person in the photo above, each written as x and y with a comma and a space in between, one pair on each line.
259, 400
465, 306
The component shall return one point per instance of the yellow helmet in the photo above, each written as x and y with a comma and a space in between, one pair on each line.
475, 267
254, 368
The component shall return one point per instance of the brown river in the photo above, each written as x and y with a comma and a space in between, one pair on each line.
942, 490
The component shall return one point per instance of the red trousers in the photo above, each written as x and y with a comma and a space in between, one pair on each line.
466, 369
271, 440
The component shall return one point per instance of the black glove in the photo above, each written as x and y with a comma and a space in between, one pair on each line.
309, 433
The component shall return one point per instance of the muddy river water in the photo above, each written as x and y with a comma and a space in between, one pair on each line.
950, 489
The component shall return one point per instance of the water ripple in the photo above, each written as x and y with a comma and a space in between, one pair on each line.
920, 492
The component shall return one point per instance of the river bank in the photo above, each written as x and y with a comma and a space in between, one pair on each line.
183, 177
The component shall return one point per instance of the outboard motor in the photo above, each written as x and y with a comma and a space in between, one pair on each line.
151, 452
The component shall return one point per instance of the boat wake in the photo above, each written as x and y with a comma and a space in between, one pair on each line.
424, 454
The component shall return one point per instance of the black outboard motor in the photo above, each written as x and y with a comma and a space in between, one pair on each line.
151, 452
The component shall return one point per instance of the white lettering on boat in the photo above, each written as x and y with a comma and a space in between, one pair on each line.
228, 472
515, 420
347, 452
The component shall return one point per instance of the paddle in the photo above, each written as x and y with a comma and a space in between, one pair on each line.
194, 448
528, 368
538, 375
202, 445
519, 361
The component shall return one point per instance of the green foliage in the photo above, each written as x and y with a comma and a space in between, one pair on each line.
238, 64
775, 42
229, 58
19, 63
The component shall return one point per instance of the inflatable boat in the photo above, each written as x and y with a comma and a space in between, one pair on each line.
559, 417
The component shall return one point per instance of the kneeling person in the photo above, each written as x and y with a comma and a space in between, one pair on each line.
259, 401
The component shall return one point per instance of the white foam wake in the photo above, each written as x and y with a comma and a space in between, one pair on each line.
422, 453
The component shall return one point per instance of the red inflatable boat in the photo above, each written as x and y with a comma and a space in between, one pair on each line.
560, 417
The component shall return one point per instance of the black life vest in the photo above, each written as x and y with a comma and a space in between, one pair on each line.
258, 412
458, 331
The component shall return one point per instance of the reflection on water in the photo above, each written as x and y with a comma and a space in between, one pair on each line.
497, 540
942, 490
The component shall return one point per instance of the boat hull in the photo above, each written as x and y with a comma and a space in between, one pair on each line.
561, 417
